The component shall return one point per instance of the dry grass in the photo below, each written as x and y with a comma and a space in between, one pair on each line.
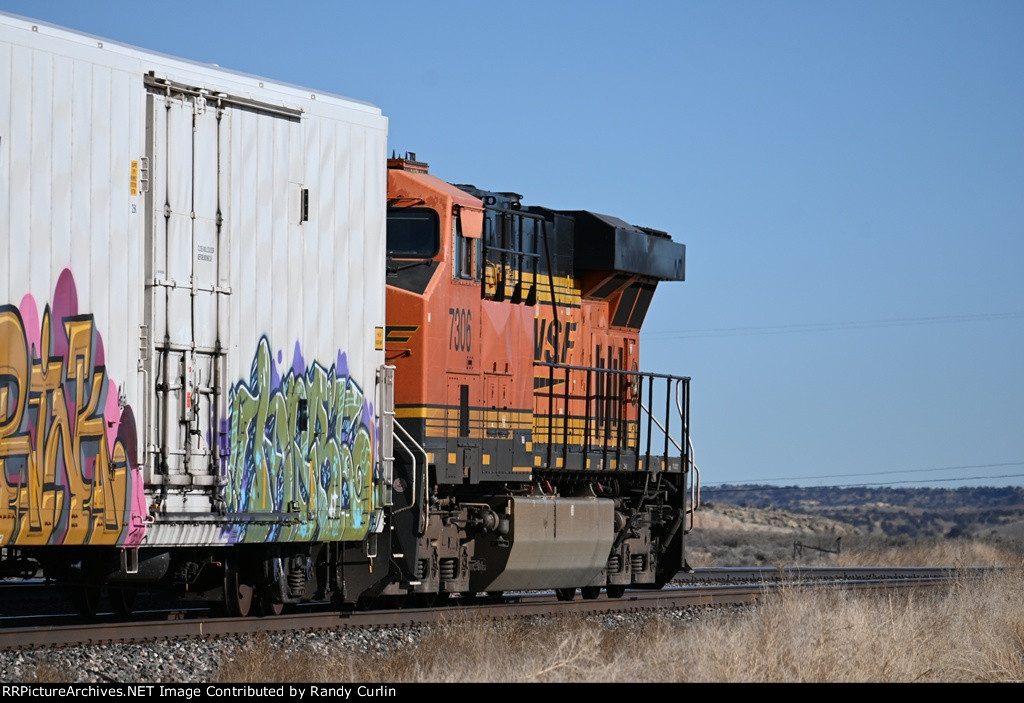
461, 650
974, 632
46, 673
970, 632
924, 552
760, 548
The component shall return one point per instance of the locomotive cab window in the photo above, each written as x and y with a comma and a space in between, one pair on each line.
467, 253
413, 233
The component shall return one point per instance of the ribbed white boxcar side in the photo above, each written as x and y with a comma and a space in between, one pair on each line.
192, 287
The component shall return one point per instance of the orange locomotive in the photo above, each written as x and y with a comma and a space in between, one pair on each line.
530, 451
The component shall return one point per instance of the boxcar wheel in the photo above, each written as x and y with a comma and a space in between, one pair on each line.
237, 594
83, 590
615, 591
590, 592
122, 599
85, 597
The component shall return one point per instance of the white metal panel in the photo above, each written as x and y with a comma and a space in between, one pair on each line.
226, 186
206, 331
342, 206
205, 249
61, 181
313, 289
276, 265
157, 198
19, 151
39, 96
172, 238
93, 269
66, 238
116, 270
241, 228
323, 207
179, 169
82, 143
6, 88
301, 253
189, 360
264, 284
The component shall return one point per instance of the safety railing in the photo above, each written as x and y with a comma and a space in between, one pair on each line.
589, 417
615, 413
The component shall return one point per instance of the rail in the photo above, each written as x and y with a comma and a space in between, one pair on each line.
702, 587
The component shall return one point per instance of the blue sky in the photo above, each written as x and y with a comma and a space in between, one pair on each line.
848, 179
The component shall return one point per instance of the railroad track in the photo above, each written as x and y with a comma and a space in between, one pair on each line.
700, 588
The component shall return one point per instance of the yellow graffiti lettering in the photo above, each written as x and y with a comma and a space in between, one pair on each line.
60, 481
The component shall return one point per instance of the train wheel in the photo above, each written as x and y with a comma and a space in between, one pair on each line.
85, 597
370, 602
565, 594
429, 600
394, 602
83, 590
263, 605
122, 599
237, 594
590, 592
615, 591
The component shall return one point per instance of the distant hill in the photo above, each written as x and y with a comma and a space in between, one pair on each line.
910, 512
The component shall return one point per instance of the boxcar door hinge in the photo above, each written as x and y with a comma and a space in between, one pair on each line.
143, 345
144, 174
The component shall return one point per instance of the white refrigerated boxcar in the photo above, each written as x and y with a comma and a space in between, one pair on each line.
191, 321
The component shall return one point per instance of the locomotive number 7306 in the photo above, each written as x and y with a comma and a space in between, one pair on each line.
460, 337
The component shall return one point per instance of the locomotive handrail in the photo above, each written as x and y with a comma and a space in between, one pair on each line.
509, 233
634, 392
412, 456
682, 406
518, 252
624, 372
386, 395
661, 427
694, 487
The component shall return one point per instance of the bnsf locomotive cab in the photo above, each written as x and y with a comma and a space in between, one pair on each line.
534, 456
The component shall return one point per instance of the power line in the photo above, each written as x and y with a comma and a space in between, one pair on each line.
752, 488
828, 326
930, 480
894, 471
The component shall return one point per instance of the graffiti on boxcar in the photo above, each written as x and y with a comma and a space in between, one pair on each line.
68, 471
300, 450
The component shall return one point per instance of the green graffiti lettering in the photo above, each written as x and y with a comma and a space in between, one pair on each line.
322, 474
